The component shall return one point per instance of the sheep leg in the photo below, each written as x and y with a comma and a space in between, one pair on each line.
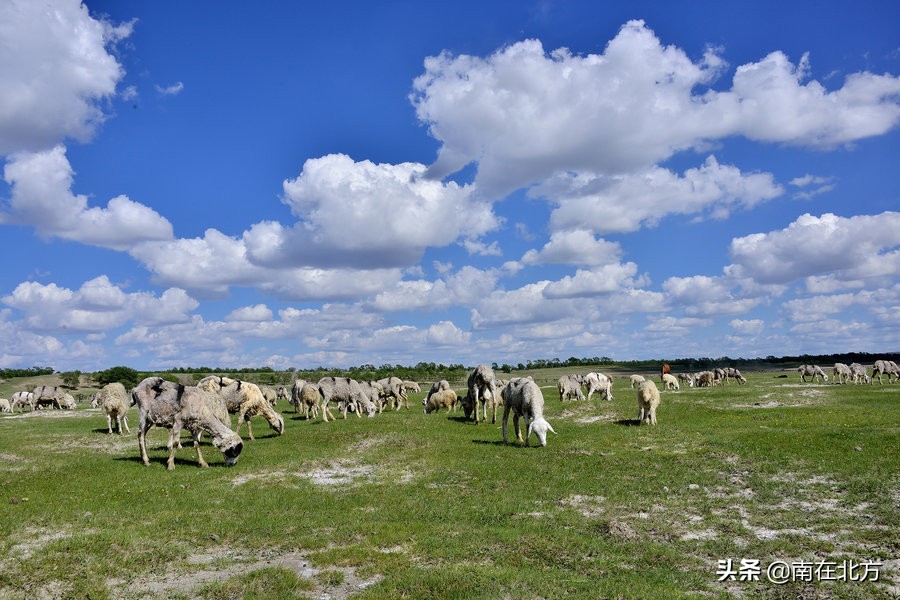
173, 435
125, 421
197, 448
652, 416
476, 405
518, 428
109, 424
142, 444
505, 419
493, 406
249, 428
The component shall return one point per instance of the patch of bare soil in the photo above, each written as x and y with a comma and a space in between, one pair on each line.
221, 564
33, 539
589, 506
53, 413
337, 474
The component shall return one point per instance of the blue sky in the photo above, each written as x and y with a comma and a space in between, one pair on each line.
301, 184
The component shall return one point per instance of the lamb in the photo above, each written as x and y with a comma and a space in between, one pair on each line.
21, 399
244, 399
811, 371
442, 399
115, 402
841, 373
569, 386
636, 380
347, 394
671, 382
480, 381
5, 405
648, 401
176, 407
599, 382
523, 397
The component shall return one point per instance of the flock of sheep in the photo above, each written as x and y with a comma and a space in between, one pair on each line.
207, 407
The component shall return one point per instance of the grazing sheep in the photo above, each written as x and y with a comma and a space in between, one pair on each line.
636, 380
648, 401
308, 400
885, 367
441, 399
393, 388
411, 386
437, 386
737, 375
375, 393
671, 382
841, 373
176, 407
49, 395
811, 371
244, 399
569, 386
687, 378
5, 405
523, 397
599, 382
858, 373
269, 393
113, 399
705, 379
21, 399
347, 394
481, 388
295, 392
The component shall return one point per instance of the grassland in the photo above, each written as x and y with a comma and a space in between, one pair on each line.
407, 505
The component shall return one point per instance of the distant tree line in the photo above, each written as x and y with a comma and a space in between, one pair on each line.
32, 372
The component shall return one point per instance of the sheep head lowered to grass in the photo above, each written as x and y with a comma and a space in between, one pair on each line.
174, 406
244, 399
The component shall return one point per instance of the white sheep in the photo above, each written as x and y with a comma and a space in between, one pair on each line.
705, 379
885, 367
22, 399
5, 405
481, 386
347, 394
244, 399
599, 382
307, 400
441, 399
569, 386
841, 373
811, 371
394, 390
671, 382
858, 373
269, 393
411, 386
523, 398
375, 392
687, 378
166, 404
437, 386
636, 380
648, 401
114, 400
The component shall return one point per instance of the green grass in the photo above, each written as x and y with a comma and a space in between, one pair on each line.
407, 505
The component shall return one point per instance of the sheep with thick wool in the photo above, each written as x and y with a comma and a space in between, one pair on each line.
244, 399
671, 382
648, 402
441, 399
114, 400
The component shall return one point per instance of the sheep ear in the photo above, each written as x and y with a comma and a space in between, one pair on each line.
550, 428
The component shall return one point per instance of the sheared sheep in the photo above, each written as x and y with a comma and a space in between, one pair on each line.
5, 405
636, 380
858, 373
885, 367
437, 386
734, 373
841, 373
480, 381
569, 386
113, 399
244, 399
269, 393
411, 386
375, 393
811, 371
599, 382
22, 399
49, 395
393, 389
687, 378
176, 407
523, 398
648, 401
441, 399
705, 379
347, 394
671, 382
